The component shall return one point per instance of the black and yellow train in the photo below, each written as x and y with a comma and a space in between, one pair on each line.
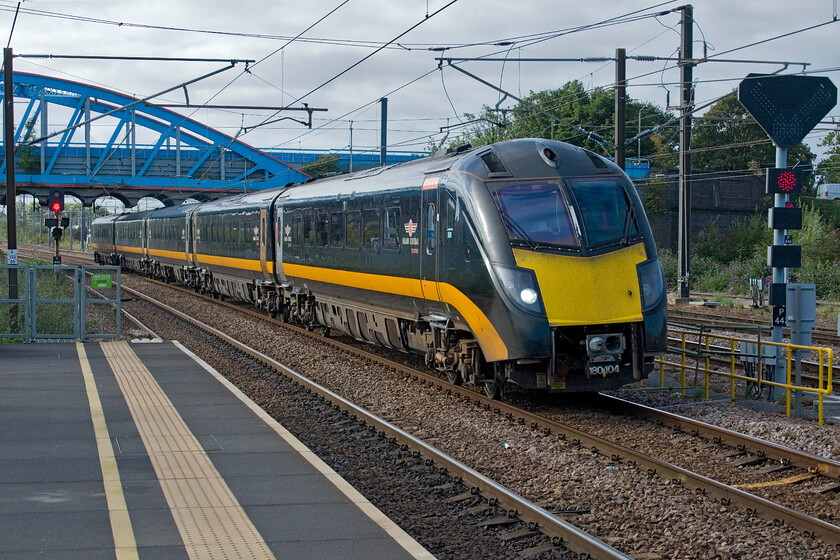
528, 261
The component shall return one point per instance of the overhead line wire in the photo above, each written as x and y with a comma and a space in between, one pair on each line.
363, 59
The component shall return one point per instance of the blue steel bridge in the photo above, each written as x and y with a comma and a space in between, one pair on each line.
184, 159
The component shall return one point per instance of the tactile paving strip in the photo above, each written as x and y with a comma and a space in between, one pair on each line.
211, 521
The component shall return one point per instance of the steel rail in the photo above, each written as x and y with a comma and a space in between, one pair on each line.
572, 537
697, 316
773, 451
777, 513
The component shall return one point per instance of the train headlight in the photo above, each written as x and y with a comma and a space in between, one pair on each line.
528, 296
520, 286
651, 283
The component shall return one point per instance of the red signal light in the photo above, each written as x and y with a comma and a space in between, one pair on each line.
784, 181
56, 207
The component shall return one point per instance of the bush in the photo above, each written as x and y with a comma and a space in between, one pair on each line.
729, 278
670, 267
741, 240
829, 210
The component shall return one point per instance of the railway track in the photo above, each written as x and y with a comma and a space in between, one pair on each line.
748, 451
821, 336
731, 443
519, 508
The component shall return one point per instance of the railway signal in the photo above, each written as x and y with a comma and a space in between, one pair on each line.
784, 181
787, 108
56, 202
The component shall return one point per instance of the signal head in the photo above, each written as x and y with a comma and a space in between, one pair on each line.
784, 181
57, 199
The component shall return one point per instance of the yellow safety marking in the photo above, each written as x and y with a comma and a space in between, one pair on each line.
780, 482
211, 521
404, 539
588, 290
124, 543
491, 343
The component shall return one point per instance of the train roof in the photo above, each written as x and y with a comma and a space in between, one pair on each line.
174, 211
525, 157
253, 200
133, 216
110, 218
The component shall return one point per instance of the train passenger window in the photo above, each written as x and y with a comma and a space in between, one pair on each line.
353, 230
430, 229
322, 230
297, 231
390, 227
309, 230
371, 229
337, 229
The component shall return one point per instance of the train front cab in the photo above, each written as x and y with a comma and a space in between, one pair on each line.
598, 277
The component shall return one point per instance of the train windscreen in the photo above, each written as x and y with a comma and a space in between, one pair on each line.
537, 214
605, 210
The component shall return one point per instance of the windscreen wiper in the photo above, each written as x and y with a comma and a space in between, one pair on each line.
629, 219
517, 229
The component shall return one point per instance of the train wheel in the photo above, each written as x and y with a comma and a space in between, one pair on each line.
325, 331
493, 389
454, 377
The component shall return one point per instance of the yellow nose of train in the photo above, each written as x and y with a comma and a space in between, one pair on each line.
577, 290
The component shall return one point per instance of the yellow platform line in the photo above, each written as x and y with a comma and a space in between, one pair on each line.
406, 541
125, 545
210, 520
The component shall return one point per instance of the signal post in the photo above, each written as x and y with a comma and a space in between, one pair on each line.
787, 108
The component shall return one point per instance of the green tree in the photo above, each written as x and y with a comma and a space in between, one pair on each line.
29, 160
484, 128
325, 164
593, 111
828, 169
727, 138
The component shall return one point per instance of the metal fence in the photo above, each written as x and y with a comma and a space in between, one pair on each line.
40, 303
749, 363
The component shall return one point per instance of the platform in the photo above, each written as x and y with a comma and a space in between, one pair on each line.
143, 451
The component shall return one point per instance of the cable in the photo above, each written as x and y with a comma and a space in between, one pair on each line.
363, 59
363, 107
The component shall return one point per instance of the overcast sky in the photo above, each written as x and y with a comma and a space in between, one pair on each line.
418, 106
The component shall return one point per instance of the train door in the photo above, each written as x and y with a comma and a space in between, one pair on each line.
265, 239
429, 240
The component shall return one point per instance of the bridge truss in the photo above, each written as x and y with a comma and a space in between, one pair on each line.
180, 158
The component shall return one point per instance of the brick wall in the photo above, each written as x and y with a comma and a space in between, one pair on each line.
720, 197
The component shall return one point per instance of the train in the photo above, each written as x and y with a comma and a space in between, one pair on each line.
527, 262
